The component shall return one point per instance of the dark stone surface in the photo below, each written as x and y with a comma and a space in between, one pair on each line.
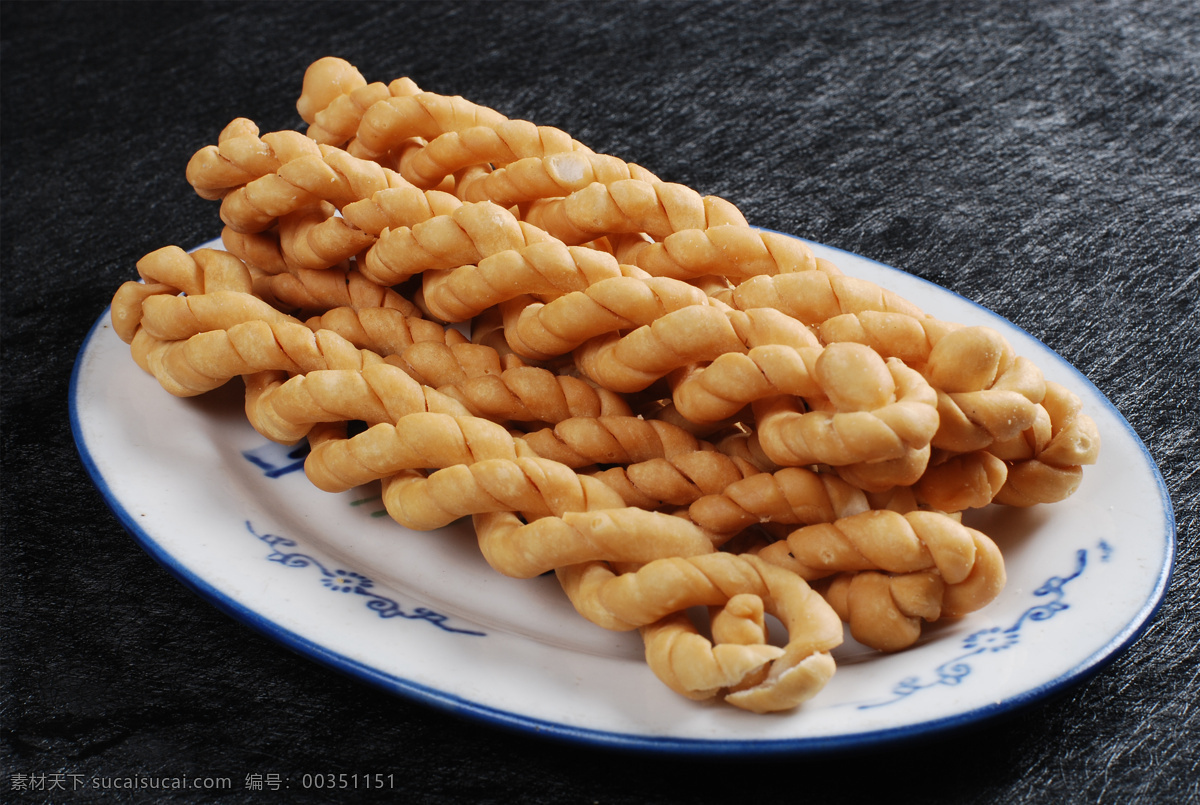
1041, 158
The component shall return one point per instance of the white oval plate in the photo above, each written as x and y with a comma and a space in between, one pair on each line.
422, 615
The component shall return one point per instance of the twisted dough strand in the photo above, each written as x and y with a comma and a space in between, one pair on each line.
532, 486
260, 251
891, 571
241, 156
816, 296
284, 408
893, 420
540, 330
396, 207
850, 376
884, 611
387, 331
698, 668
959, 482
178, 318
170, 270
335, 96
315, 238
891, 334
735, 251
661, 588
603, 532
312, 236
416, 441
695, 333
580, 441
879, 540
533, 394
546, 269
325, 291
330, 175
792, 495
549, 176
426, 441
469, 233
209, 359
986, 393
439, 363
677, 480
498, 144
1045, 464
391, 122
628, 206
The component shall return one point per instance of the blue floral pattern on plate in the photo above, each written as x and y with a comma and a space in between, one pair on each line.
346, 581
996, 638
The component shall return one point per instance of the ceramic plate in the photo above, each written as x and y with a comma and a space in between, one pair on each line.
421, 614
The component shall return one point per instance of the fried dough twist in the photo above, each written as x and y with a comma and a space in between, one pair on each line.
335, 96
895, 570
632, 362
1045, 464
630, 206
734, 251
241, 156
651, 598
540, 330
550, 176
542, 270
471, 232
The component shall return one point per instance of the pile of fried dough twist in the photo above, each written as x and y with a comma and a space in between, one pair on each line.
696, 425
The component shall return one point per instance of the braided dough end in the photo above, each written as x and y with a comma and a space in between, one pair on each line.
325, 80
689, 664
786, 687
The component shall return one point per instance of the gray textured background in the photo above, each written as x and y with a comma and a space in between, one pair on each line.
1041, 158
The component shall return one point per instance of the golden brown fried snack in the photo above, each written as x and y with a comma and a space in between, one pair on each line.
283, 407
959, 482
540, 330
534, 487
895, 571
315, 237
170, 271
879, 412
390, 123
470, 233
737, 252
551, 176
632, 362
335, 96
488, 145
544, 270
884, 611
530, 394
677, 480
665, 587
583, 535
839, 454
1045, 464
330, 175
242, 156
792, 495
815, 297
581, 441
418, 441
630, 206
397, 207
209, 359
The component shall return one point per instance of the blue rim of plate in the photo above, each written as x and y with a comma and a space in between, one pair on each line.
541, 728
